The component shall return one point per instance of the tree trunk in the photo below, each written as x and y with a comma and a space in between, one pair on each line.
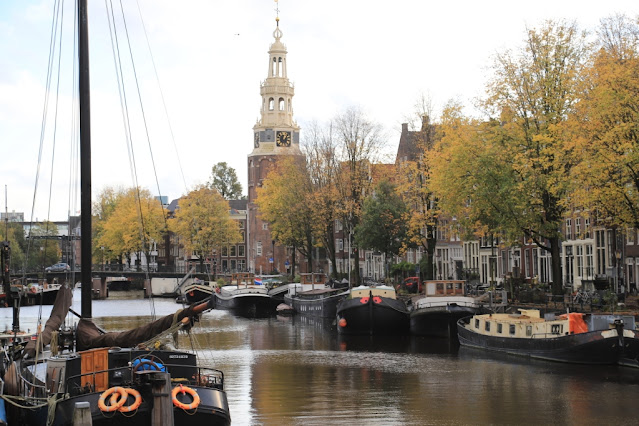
293, 263
557, 281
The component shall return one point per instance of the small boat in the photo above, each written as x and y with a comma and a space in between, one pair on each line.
436, 312
197, 291
372, 310
572, 337
245, 296
118, 283
313, 297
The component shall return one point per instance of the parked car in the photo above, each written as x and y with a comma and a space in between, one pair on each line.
412, 285
58, 267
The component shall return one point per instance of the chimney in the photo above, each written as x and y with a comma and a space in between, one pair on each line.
404, 128
425, 122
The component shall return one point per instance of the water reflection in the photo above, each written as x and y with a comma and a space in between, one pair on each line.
299, 371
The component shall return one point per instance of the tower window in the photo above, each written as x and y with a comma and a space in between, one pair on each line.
271, 104
281, 104
289, 104
274, 69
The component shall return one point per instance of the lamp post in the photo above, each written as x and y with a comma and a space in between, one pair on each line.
102, 252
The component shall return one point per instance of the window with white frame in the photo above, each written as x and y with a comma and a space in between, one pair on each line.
577, 227
340, 244
587, 227
258, 249
569, 229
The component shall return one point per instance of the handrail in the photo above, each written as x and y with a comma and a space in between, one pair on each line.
131, 367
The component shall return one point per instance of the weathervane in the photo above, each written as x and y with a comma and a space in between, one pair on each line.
277, 12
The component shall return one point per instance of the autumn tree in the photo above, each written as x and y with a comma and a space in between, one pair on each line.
135, 220
516, 171
203, 222
413, 179
285, 202
607, 127
383, 223
103, 207
360, 144
323, 167
224, 180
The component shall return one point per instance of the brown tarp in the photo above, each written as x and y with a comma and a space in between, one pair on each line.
59, 311
89, 337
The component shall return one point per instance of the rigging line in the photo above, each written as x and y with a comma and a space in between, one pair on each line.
166, 112
124, 103
55, 132
146, 126
52, 37
74, 154
115, 47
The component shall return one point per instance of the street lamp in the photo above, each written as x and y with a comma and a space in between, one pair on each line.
102, 250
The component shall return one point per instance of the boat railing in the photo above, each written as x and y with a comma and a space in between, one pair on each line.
468, 304
199, 376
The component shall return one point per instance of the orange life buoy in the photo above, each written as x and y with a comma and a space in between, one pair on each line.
183, 390
115, 402
191, 293
34, 289
136, 403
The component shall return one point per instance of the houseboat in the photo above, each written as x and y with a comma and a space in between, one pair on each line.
372, 310
571, 337
442, 304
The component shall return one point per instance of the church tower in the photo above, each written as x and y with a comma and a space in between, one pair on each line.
275, 134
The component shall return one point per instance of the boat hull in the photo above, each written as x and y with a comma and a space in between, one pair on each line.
248, 304
365, 316
321, 307
197, 293
213, 410
438, 321
594, 347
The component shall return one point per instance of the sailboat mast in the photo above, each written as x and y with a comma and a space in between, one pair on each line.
85, 158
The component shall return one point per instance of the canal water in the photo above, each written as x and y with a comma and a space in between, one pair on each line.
297, 371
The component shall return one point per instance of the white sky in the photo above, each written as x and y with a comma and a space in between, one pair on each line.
211, 57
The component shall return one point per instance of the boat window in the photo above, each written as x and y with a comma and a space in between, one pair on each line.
512, 329
487, 326
476, 323
529, 330
556, 328
440, 288
499, 328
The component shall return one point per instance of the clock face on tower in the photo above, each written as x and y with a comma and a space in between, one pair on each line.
283, 138
257, 140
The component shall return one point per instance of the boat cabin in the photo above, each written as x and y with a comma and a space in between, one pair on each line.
445, 288
527, 324
315, 278
380, 290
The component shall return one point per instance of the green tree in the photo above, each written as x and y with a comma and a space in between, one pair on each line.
203, 223
17, 244
224, 180
43, 247
383, 222
359, 146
